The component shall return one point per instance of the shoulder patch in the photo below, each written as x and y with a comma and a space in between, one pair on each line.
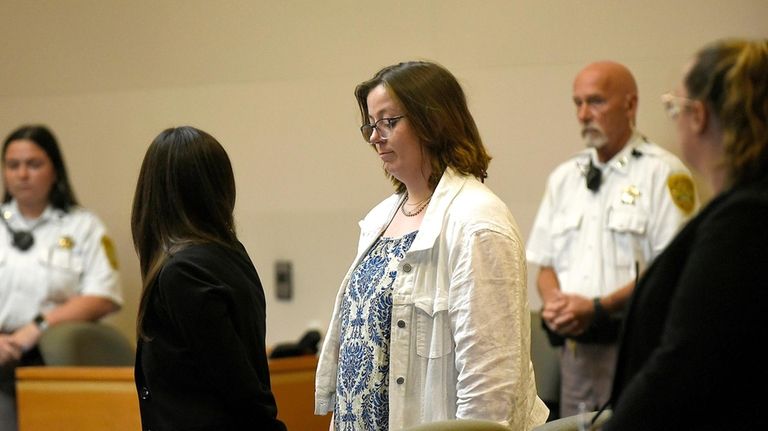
109, 250
682, 192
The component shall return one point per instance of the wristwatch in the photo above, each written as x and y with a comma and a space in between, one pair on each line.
600, 313
41, 323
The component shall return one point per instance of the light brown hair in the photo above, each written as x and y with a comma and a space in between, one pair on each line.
731, 77
437, 110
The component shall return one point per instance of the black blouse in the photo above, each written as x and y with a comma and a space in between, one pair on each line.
205, 365
696, 322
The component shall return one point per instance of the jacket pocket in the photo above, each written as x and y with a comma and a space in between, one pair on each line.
564, 228
622, 220
628, 227
65, 268
433, 334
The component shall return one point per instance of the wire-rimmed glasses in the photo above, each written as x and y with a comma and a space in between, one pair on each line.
384, 126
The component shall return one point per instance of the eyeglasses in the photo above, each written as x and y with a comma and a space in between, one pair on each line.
383, 126
674, 105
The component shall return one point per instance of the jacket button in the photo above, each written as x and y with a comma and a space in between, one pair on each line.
400, 380
407, 267
401, 323
144, 393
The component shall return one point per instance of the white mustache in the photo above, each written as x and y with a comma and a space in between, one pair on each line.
591, 129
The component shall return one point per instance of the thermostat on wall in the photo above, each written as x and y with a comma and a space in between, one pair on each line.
284, 279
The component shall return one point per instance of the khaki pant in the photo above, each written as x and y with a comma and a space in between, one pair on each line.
586, 375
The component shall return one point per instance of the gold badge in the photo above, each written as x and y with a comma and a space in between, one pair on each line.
109, 250
66, 242
630, 195
682, 191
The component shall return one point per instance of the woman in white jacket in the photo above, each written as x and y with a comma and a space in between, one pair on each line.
431, 321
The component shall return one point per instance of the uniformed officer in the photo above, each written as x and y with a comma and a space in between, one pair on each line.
606, 213
57, 263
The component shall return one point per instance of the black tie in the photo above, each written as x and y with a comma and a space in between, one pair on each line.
594, 177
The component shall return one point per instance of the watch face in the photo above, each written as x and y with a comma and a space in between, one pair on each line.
41, 323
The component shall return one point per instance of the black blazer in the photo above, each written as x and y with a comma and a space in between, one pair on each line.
205, 365
697, 319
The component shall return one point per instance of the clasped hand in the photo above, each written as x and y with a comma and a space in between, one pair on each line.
12, 346
568, 314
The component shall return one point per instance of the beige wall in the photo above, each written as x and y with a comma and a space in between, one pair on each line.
273, 82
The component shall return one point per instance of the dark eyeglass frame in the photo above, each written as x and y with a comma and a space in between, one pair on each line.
384, 126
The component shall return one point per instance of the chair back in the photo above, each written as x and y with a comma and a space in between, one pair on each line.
459, 425
576, 422
85, 344
546, 363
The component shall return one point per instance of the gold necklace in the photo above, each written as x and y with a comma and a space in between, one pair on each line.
420, 206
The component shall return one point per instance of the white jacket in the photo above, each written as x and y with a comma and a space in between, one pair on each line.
460, 331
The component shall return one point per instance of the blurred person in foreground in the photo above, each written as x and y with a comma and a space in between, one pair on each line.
431, 321
689, 356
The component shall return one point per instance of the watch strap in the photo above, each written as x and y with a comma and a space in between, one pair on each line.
40, 322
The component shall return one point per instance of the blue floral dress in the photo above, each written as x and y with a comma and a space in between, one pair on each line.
362, 401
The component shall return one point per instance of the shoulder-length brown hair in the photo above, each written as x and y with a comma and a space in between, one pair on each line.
437, 110
185, 195
731, 77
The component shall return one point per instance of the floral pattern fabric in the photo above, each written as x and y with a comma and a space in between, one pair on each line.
362, 401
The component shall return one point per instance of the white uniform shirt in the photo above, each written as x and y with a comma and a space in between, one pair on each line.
460, 331
69, 257
593, 240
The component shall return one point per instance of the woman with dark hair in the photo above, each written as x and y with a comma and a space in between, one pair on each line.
431, 321
201, 360
57, 263
689, 356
